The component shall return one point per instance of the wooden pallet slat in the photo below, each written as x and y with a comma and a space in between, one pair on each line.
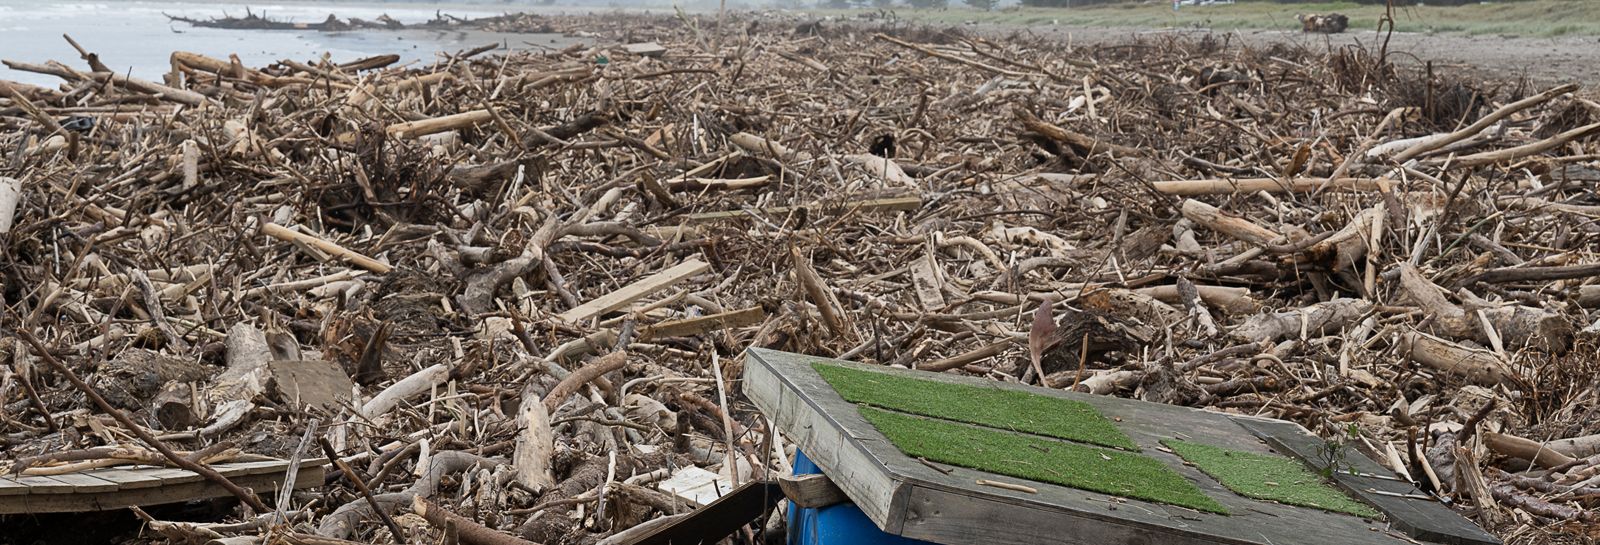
117, 488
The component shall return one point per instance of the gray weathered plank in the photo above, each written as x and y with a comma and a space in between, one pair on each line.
126, 479
9, 487
177, 489
85, 484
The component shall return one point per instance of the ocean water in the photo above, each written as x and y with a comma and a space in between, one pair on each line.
136, 36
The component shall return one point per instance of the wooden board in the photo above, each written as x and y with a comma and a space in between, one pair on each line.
705, 324
905, 497
116, 488
635, 291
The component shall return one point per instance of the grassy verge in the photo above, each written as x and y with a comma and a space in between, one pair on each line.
1039, 459
1539, 18
993, 407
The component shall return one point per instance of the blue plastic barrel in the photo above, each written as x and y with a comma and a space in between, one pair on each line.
837, 524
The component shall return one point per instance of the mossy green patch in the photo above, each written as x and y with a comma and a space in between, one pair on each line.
1268, 477
1039, 459
993, 407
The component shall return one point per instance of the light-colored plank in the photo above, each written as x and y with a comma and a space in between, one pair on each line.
126, 479
928, 282
9, 487
171, 475
41, 484
263, 484
85, 484
635, 291
705, 324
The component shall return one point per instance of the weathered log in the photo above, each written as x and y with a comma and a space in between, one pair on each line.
1319, 319
1476, 365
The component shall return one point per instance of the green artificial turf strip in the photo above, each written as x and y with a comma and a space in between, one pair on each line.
1040, 459
1268, 477
993, 407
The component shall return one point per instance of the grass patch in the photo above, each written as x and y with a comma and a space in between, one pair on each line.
1038, 459
1268, 477
993, 407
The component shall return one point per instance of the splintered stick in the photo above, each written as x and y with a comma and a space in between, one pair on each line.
290, 235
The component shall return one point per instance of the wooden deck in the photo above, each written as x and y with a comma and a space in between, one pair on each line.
905, 497
116, 488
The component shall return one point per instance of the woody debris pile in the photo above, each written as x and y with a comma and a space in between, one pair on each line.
511, 291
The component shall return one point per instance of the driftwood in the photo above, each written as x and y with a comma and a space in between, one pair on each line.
537, 256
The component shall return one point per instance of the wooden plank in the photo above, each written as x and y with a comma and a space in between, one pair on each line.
925, 278
809, 491
259, 468
171, 475
177, 490
712, 523
635, 291
40, 484
85, 484
705, 324
893, 204
9, 487
126, 479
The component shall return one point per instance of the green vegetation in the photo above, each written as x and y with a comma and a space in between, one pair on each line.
1045, 460
993, 407
1530, 18
1268, 477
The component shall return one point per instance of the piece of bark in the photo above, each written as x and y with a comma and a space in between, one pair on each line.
133, 378
369, 366
310, 382
535, 444
1316, 320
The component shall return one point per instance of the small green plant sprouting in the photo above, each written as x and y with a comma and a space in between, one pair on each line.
1331, 453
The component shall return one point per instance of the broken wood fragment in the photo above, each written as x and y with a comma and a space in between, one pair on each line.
635, 291
811, 491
